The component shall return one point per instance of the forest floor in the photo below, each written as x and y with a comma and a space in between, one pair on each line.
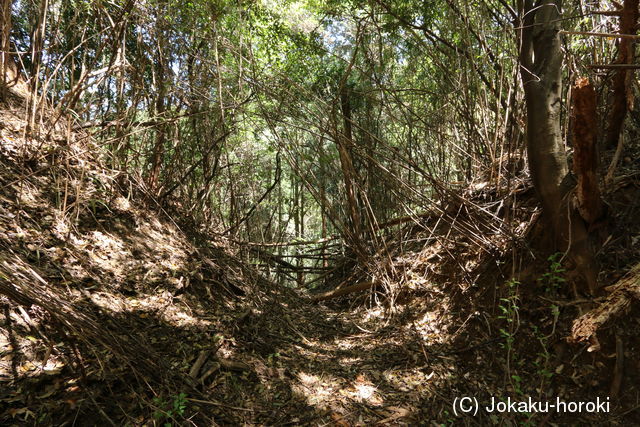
112, 315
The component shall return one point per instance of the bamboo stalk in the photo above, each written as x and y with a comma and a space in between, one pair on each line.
614, 66
612, 35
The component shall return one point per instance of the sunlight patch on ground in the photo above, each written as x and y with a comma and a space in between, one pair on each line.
409, 380
319, 390
147, 254
432, 324
28, 195
363, 391
160, 305
31, 356
60, 227
122, 204
323, 390
374, 314
5, 356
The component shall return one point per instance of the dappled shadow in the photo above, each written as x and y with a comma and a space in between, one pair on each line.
304, 364
291, 362
391, 374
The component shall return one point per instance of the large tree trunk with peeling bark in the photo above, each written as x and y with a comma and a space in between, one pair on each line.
541, 62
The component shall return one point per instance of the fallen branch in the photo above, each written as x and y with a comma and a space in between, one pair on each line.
193, 373
280, 244
618, 302
273, 258
342, 291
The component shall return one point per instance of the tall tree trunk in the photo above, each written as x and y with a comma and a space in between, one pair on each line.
158, 149
541, 62
37, 46
299, 215
344, 142
160, 104
622, 77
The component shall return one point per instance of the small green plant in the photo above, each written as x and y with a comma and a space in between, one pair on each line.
553, 279
542, 360
449, 421
509, 313
516, 381
168, 410
273, 358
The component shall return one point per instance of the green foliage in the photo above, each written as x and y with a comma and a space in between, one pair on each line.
553, 279
449, 419
516, 381
167, 410
218, 87
509, 313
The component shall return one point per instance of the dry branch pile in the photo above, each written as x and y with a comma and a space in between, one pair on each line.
86, 272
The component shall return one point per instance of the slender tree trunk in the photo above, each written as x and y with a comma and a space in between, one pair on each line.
37, 45
160, 102
37, 41
5, 45
296, 224
158, 149
541, 80
348, 170
300, 212
323, 253
323, 196
622, 91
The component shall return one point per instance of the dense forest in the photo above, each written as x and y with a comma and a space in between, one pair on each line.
319, 212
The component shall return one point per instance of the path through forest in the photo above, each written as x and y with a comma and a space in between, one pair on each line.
111, 314
121, 303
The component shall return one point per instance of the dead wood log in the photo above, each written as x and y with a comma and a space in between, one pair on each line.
342, 291
585, 150
618, 302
